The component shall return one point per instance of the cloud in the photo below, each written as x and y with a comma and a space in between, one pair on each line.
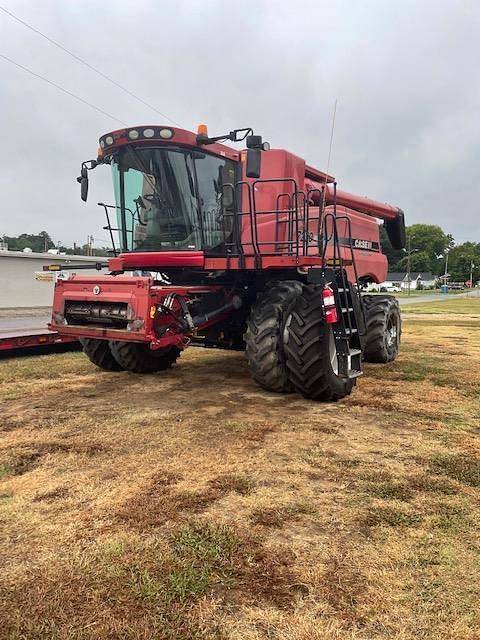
404, 73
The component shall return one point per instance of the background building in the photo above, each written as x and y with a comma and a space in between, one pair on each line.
24, 284
418, 280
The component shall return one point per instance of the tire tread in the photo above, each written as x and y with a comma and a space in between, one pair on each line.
137, 357
264, 335
308, 352
377, 311
100, 354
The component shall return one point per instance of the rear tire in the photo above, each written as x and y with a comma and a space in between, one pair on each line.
311, 354
384, 328
264, 335
98, 352
139, 358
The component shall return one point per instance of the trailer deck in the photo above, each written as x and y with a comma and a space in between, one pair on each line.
28, 329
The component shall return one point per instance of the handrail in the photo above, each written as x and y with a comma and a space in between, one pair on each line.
300, 225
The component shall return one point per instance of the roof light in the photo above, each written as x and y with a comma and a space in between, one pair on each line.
166, 134
133, 134
202, 130
148, 133
109, 140
102, 144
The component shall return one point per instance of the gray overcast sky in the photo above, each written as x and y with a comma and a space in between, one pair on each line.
406, 75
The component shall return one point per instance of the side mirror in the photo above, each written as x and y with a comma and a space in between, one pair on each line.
254, 162
83, 180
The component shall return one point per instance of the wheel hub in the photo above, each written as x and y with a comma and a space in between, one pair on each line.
333, 353
391, 332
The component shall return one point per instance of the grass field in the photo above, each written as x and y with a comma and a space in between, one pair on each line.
194, 505
416, 293
461, 306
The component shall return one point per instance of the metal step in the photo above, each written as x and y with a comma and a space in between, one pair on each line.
347, 330
354, 373
354, 360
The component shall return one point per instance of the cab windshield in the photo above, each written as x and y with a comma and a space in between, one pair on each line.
172, 199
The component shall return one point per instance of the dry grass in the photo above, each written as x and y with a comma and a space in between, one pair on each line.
193, 505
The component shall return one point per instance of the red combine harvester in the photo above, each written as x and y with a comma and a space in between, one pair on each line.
251, 250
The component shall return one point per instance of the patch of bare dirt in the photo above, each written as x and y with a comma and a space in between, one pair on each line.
345, 520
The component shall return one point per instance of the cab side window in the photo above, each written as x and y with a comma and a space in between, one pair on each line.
216, 202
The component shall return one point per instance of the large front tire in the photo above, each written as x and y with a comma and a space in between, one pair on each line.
98, 352
139, 358
384, 328
311, 354
264, 335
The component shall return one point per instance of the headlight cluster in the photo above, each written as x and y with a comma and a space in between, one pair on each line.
149, 133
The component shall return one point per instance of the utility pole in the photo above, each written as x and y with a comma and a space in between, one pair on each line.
409, 252
446, 267
90, 245
444, 278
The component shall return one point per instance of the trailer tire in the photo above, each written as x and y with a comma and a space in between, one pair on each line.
139, 358
99, 352
384, 328
264, 335
311, 351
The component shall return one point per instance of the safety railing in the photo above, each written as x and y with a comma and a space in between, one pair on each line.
348, 289
290, 227
260, 218
124, 231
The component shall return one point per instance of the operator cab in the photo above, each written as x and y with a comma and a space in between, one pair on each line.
171, 194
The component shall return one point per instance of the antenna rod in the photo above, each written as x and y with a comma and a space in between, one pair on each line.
331, 134
324, 187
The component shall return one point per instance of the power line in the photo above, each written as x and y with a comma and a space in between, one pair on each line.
87, 64
57, 86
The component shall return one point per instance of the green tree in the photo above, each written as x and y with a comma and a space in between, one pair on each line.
460, 260
429, 238
420, 261
431, 241
36, 242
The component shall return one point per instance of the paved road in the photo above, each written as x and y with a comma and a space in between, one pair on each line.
435, 297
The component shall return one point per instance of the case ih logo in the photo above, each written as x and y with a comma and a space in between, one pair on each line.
357, 243
363, 244
96, 290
